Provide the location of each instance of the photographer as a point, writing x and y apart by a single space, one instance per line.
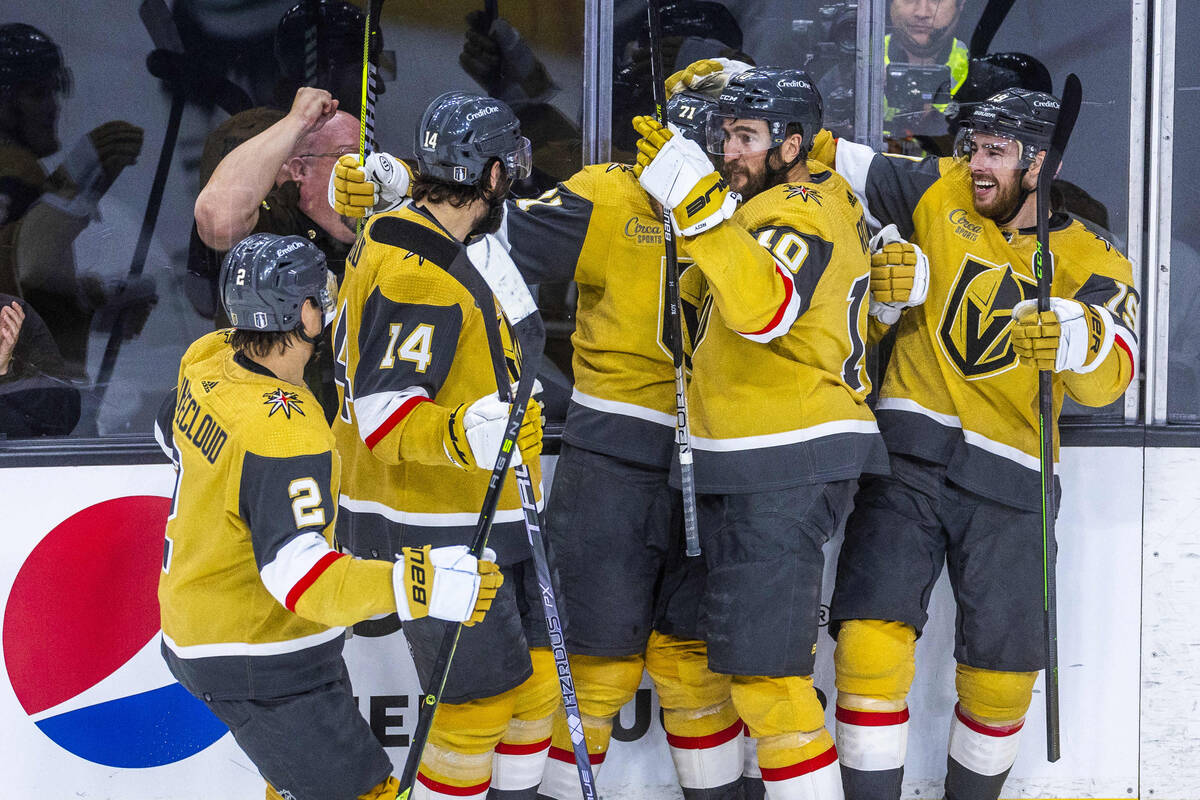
925 64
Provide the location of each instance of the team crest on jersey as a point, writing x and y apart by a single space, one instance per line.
804 193
975 331
208 386
283 400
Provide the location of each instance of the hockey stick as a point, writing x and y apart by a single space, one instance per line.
530 337
1067 113
989 23
683 437
537 543
171 63
369 90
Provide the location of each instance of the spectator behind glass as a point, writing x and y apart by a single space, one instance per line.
278 182
36 399
40 214
924 63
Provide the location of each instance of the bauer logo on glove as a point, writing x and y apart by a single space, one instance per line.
445 583
678 175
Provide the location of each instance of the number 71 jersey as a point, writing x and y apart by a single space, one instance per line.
787 406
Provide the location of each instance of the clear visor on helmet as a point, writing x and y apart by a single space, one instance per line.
519 162
989 150
736 136
328 298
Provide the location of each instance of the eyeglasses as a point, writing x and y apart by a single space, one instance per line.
343 151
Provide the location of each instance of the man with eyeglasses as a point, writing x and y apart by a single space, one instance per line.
275 182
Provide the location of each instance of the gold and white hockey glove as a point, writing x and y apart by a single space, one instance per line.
899 275
359 191
1070 336
707 76
445 583
676 172
475 433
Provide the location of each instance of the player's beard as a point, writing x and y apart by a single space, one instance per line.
495 210
1006 198
745 179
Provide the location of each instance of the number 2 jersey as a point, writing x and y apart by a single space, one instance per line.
599 229
411 345
252 595
778 390
955 392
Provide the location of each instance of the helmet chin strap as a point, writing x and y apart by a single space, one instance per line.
778 176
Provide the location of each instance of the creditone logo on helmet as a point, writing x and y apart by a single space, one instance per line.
82 654
483 112
283 251
793 84
1047 104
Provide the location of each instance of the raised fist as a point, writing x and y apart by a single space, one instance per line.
117 145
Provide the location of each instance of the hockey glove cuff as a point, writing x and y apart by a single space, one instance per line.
357 190
475 434
1070 336
899 275
445 583
676 173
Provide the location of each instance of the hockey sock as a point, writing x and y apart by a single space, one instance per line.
704 731
752 782
520 760
706 746
872 745
560 780
447 775
795 753
875 666
984 731
980 757
800 766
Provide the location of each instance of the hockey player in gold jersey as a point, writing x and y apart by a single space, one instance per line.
781 429
419 429
254 598
614 521
959 411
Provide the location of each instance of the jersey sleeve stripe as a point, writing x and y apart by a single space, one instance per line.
310 578
379 414
785 315
292 565
1129 352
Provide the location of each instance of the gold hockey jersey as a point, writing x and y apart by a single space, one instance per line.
252 595
410 345
955 392
599 229
778 389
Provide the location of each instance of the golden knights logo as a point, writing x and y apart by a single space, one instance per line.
803 192
976 326
282 400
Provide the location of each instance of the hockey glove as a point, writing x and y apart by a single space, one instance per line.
676 172
899 275
476 432
1070 336
707 76
445 583
357 191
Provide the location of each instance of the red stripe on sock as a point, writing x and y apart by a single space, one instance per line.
803 768
998 731
310 577
705 742
393 420
454 791
511 749
568 756
871 718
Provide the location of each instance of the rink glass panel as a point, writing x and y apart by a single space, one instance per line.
1183 351
80 280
